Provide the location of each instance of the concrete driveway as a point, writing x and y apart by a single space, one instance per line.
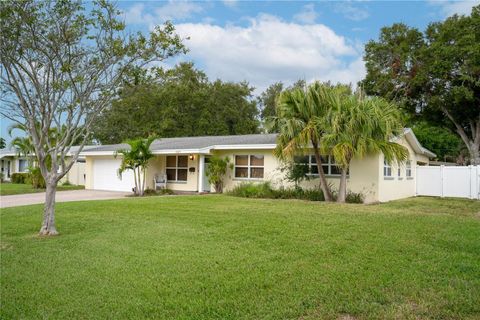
62 196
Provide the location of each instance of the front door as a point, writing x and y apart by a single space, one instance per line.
206 185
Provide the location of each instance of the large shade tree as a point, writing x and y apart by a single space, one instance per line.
434 74
61 64
355 127
176 102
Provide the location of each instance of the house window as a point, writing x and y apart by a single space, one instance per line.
177 168
387 169
328 165
22 165
399 172
249 166
408 169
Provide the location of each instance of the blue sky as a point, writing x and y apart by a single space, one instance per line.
263 42
267 41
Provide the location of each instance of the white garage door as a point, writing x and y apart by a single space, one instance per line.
105 176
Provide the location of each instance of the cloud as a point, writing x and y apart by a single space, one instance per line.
450 8
269 49
171 10
230 3
351 12
307 15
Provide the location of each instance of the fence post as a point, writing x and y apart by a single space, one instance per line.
477 182
442 167
470 177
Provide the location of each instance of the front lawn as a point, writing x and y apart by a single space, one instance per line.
7 189
204 257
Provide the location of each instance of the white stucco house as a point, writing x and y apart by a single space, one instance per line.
184 161
11 162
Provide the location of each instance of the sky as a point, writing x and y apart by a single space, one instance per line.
263 42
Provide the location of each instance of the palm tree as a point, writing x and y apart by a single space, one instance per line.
355 127
299 121
23 145
136 158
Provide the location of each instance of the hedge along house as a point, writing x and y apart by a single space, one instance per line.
184 161
11 162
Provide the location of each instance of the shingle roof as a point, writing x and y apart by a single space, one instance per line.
7 152
188 143
12 152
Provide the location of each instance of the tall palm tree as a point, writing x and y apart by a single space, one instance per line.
136 158
299 121
356 126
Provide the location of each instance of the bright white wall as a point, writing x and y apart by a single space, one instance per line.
445 181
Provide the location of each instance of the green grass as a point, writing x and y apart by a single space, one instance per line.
219 257
7 189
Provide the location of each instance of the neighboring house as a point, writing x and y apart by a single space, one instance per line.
11 162
184 161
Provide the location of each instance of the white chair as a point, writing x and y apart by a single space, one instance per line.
160 181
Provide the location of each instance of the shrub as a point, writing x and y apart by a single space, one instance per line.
265 190
354 197
216 171
35 178
19 177
313 195
253 190
66 183
151 192
295 172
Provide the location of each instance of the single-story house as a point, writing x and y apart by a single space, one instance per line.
184 162
11 162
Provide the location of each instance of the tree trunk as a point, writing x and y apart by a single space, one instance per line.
474 150
473 142
323 181
48 225
135 179
144 179
342 189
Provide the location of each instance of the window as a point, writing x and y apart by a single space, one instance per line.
399 172
22 165
249 166
177 168
408 169
328 165
387 169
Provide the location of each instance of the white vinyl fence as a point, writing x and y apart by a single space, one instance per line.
445 181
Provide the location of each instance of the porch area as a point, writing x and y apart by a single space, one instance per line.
183 172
